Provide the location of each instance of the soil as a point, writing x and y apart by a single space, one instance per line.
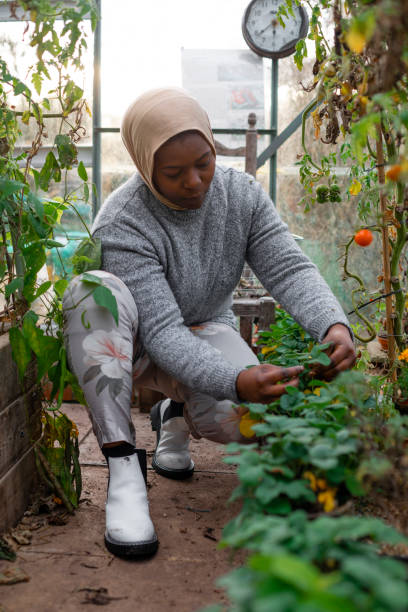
62 563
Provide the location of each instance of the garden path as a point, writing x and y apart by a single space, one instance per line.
67 564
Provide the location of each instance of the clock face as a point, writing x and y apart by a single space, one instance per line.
265 34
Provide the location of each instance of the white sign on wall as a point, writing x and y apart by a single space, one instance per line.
229 84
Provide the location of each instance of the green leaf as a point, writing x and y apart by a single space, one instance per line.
354 485
19 87
43 288
82 173
8 187
51 244
86 192
86 324
67 151
60 286
16 284
87 256
20 350
91 278
104 297
37 82
50 171
300 53
323 359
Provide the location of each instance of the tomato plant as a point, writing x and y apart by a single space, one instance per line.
360 83
29 216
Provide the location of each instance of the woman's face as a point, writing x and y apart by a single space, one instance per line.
183 169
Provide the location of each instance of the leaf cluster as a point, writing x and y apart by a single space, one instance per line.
316 448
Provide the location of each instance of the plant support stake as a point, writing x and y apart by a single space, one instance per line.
386 254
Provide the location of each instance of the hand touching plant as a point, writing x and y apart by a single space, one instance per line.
341 352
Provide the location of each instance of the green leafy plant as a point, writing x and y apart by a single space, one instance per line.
314 451
361 91
30 218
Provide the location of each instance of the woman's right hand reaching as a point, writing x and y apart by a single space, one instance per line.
264 383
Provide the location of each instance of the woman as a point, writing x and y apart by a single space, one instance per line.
174 241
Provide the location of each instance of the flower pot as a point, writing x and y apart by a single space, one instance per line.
47 388
383 340
402 405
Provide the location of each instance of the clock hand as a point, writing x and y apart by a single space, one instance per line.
264 30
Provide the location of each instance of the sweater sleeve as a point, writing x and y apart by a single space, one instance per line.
165 337
288 274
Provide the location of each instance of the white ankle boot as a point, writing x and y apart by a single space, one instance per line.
172 457
129 529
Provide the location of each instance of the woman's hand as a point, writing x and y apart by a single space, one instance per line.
264 383
341 352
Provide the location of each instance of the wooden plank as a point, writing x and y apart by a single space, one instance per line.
16 487
20 426
245 329
244 307
266 313
251 145
227 151
13 388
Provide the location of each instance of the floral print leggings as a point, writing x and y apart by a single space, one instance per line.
108 359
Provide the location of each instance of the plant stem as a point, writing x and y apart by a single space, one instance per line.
369 326
58 489
394 267
386 255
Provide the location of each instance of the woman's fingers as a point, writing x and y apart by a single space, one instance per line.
277 390
340 366
265 382
341 352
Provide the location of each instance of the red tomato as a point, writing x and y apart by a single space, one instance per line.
363 238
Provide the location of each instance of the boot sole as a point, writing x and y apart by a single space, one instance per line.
167 473
173 474
145 549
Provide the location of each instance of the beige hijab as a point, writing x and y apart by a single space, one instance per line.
153 118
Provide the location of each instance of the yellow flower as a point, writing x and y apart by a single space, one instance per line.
328 499
356 40
346 90
245 425
403 356
355 187
321 484
315 391
74 430
268 349
312 478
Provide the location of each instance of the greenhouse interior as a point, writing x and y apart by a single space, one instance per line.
204 305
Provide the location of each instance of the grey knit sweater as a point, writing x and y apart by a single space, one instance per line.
182 267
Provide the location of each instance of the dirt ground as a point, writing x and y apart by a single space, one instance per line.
67 566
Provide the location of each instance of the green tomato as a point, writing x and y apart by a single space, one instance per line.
334 194
322 194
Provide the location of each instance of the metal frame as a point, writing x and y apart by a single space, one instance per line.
89 154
